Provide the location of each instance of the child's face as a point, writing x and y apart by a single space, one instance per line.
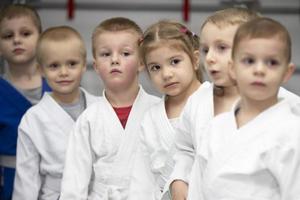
260 67
18 40
117 59
63 67
215 49
171 70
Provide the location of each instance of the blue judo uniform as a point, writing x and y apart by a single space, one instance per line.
13 106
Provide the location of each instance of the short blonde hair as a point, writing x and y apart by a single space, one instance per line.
20 10
114 25
231 16
263 28
170 33
59 34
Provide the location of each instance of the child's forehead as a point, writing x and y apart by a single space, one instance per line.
71 42
275 41
210 26
212 33
117 38
128 33
18 21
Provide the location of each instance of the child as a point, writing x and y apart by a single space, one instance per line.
103 144
216 39
21 85
171 55
44 129
258 155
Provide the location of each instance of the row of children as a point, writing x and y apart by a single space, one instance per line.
131 145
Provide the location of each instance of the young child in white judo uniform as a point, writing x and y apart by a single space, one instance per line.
253 151
171 55
103 145
216 39
44 130
21 84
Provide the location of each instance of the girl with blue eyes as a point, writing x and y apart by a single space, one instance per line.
171 55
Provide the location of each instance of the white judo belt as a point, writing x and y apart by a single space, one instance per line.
8 161
52 183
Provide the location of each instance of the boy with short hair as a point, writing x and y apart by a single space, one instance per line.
44 129
216 40
253 152
21 85
103 144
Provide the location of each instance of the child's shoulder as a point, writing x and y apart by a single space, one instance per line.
202 94
90 98
147 96
201 101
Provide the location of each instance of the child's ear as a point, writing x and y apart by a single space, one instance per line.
231 70
289 72
196 59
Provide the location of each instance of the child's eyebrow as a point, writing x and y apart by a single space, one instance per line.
221 41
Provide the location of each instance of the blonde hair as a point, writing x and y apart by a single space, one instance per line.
175 35
59 34
263 28
20 10
230 16
114 25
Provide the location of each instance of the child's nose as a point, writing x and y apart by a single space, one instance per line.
115 59
17 39
259 69
64 70
166 73
210 57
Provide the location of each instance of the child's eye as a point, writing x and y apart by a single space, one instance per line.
126 54
272 62
53 66
153 68
175 61
7 36
204 50
104 54
248 61
221 47
26 33
73 63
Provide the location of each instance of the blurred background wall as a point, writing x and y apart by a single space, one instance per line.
84 15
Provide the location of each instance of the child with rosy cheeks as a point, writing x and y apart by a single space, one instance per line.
102 147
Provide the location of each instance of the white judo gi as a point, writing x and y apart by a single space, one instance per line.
197 113
42 139
260 160
154 162
101 153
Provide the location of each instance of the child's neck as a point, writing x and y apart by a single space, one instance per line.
122 98
175 104
249 109
70 98
223 102
25 76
